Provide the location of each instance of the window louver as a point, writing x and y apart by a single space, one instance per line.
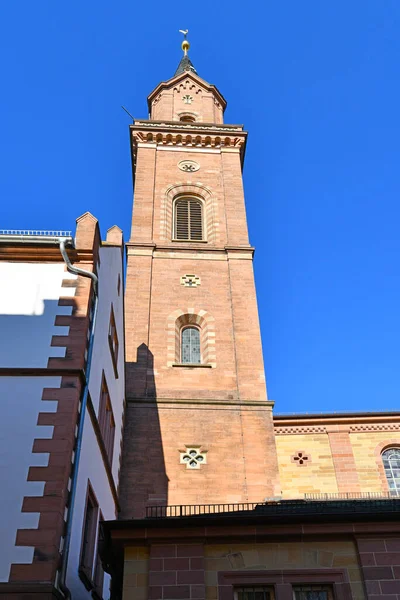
188 220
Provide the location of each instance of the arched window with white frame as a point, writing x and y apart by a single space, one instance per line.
188 220
190 346
391 464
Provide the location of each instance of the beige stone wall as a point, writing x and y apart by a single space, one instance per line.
343 457
273 556
317 476
367 447
136 569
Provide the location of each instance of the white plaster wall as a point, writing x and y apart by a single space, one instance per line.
110 267
21 403
28 308
91 465
90 468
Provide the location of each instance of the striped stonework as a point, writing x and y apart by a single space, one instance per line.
198 190
191 316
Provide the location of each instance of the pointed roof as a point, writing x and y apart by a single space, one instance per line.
185 65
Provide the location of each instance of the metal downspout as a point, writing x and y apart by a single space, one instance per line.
74 479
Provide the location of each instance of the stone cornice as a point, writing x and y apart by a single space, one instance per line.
188 135
234 128
242 404
352 423
199 251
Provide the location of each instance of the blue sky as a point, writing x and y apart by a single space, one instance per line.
316 84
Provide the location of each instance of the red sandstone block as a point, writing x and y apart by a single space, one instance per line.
198 591
176 564
393 545
197 563
167 551
190 550
155 592
224 592
367 559
191 577
176 592
33 572
377 573
371 545
42 504
390 587
156 564
387 558
372 587
162 578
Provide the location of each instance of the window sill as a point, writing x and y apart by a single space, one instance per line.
192 365
190 241
113 357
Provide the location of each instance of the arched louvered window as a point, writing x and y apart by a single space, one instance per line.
190 348
391 463
188 220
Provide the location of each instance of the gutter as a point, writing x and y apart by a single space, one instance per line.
61 584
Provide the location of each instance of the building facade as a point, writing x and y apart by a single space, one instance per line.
61 386
220 500
147 463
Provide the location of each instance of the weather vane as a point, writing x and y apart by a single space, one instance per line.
185 43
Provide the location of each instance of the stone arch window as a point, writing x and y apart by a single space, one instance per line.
192 318
188 220
187 118
190 345
193 189
391 464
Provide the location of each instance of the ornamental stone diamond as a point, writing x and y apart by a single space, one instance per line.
190 280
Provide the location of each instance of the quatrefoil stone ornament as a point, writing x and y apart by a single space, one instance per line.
301 458
187 99
192 457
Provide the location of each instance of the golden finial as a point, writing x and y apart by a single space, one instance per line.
185 43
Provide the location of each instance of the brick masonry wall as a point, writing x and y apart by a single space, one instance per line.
240 455
380 564
165 572
169 406
184 571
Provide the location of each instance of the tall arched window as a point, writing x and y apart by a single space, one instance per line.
190 346
188 219
391 463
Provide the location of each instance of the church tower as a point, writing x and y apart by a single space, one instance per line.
198 424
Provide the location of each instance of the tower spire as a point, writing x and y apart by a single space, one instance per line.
186 63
